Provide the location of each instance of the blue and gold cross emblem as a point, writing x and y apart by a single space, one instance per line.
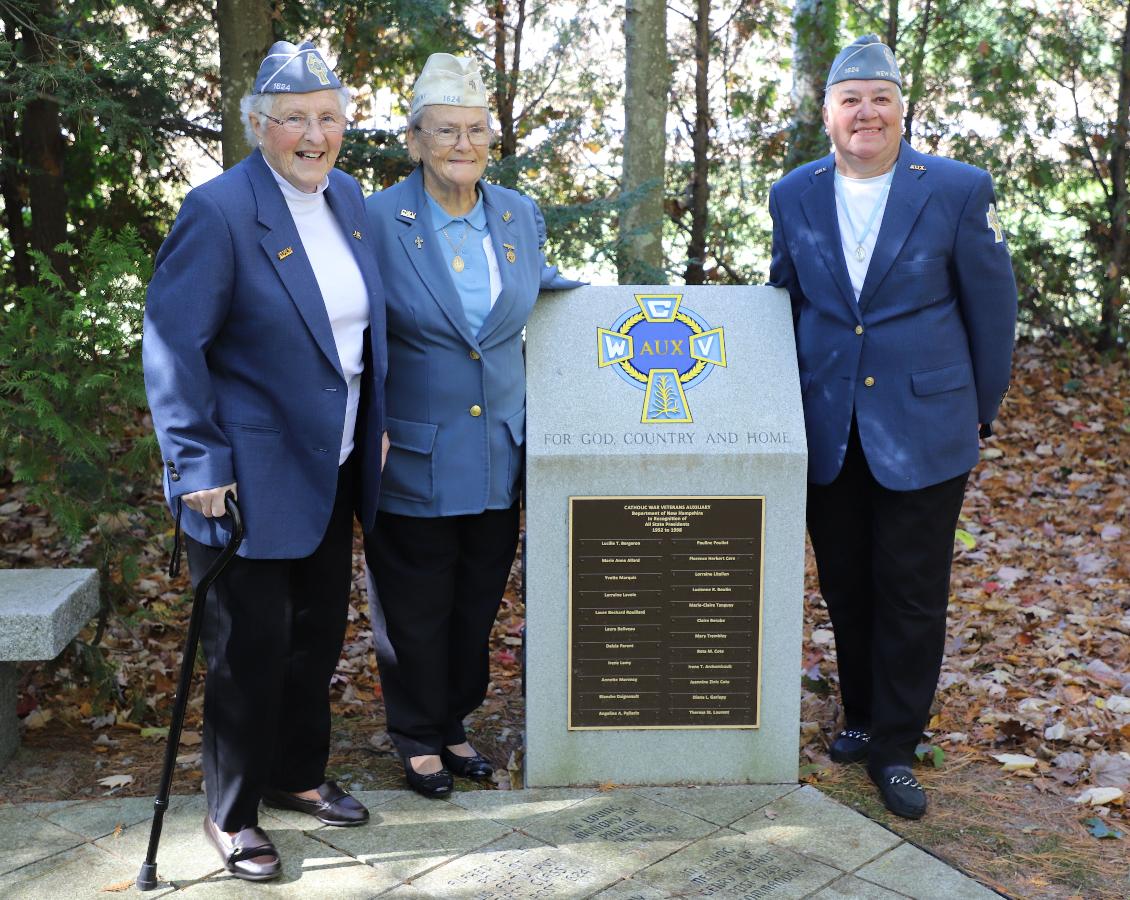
664 350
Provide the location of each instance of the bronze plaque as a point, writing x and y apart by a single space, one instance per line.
665 611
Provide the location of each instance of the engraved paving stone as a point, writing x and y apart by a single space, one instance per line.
620 824
518 866
737 866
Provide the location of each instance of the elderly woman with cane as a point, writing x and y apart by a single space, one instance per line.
463 265
264 354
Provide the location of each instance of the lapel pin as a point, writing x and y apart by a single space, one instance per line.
917 168
419 243
507 216
511 256
357 234
408 214
283 254
821 170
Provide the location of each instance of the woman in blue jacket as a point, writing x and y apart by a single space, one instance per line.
264 355
462 265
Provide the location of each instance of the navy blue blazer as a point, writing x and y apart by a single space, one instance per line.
456 400
925 354
241 368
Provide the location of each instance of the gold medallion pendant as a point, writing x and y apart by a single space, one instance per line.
457 263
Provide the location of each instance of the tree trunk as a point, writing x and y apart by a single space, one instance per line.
506 83
815 44
913 72
646 88
245 37
700 176
13 186
1118 202
42 147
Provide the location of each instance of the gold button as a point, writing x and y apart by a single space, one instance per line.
859 329
869 381
473 355
476 410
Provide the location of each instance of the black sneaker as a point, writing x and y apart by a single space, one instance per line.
850 745
900 790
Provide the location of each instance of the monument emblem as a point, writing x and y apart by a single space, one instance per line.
663 349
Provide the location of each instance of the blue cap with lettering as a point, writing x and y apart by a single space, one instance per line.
866 58
287 69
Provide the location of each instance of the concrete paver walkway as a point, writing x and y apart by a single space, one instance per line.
645 843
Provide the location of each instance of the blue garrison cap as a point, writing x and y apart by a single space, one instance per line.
287 69
866 58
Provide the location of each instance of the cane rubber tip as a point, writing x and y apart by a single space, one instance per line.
147 877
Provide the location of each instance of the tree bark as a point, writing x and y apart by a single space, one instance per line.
913 94
700 175
646 89
506 76
42 147
246 35
815 40
13 186
1118 201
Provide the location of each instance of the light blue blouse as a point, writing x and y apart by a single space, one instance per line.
466 234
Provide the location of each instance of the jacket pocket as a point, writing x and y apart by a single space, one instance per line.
937 381
517 426
409 471
244 428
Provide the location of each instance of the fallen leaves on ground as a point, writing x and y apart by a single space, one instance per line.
1037 658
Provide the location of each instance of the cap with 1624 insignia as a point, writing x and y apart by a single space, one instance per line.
290 69
866 58
449 81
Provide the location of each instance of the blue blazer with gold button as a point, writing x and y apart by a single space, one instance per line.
456 399
924 356
241 369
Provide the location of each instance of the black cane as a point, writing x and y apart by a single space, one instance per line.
147 878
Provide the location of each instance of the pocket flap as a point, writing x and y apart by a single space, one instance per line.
935 381
517 425
419 437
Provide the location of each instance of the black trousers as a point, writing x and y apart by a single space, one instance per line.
883 559
272 636
439 582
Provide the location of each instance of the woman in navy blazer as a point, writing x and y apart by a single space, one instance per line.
463 265
264 354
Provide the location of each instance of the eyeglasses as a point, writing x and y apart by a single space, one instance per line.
296 124
478 135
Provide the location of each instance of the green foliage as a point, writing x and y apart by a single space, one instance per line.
71 398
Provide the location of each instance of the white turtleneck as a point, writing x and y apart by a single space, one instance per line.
342 287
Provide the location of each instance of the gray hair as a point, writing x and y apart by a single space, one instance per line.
264 105
898 94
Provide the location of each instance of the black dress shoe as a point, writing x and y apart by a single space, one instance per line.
240 852
437 784
900 790
850 745
334 806
477 766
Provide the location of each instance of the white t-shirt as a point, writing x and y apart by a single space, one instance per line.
342 286
861 195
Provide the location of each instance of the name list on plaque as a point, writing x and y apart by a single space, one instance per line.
665 611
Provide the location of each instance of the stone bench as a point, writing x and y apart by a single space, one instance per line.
41 610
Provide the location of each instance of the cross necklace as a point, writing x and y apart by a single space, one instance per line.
457 263
860 253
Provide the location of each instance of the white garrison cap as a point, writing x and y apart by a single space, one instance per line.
449 81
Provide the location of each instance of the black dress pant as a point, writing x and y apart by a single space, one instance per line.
439 582
883 559
272 636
